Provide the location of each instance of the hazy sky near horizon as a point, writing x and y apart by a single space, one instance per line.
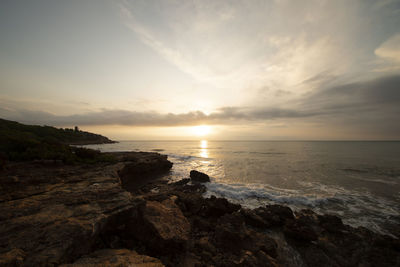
146 69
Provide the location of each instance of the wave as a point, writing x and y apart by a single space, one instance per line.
244 192
355 170
356 208
259 153
390 172
181 157
267 153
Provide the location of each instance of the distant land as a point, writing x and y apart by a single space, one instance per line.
19 142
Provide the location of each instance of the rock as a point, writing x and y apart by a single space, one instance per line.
232 235
253 219
115 258
3 161
14 257
331 223
217 207
299 231
162 226
191 203
266 260
182 182
142 167
55 215
258 259
275 215
199 177
205 245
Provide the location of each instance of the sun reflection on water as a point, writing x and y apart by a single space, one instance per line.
203 149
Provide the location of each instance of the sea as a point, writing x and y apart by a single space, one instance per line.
356 180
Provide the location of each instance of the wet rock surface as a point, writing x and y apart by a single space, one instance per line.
82 215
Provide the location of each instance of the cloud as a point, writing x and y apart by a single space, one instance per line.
247 43
390 49
382 92
227 115
371 105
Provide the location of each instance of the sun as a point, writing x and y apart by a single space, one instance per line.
201 130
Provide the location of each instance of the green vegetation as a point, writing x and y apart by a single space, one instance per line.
20 142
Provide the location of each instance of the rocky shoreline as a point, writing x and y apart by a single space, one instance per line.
121 214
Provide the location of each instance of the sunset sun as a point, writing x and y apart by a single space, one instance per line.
201 130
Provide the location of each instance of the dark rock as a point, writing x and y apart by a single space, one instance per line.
141 168
194 188
205 245
331 223
253 219
52 215
258 259
216 207
116 258
13 257
161 226
232 235
275 215
190 203
299 231
182 182
199 177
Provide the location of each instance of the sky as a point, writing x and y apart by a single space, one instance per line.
217 70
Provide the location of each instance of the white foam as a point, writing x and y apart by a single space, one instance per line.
244 192
356 209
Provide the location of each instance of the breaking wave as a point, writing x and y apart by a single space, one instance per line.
356 209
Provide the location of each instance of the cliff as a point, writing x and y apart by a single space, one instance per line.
19 142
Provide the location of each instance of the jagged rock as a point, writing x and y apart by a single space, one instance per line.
141 168
299 231
204 244
56 213
14 257
331 223
182 182
259 259
55 218
115 258
253 219
161 225
275 215
200 177
216 207
232 235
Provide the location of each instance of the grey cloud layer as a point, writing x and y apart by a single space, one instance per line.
226 115
373 105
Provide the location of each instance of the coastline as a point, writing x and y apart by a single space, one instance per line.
94 142
55 214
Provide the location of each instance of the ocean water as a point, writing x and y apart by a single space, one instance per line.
359 181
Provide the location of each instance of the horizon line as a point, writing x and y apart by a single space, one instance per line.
258 140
